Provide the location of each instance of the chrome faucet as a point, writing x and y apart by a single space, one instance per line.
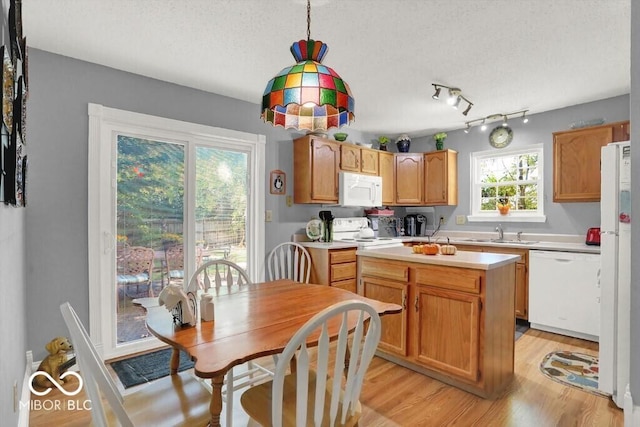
500 232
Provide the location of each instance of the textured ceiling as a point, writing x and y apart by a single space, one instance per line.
505 55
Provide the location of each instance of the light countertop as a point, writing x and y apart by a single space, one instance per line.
462 259
542 242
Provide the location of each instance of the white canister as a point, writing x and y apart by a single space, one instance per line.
206 307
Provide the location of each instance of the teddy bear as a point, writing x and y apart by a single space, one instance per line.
53 362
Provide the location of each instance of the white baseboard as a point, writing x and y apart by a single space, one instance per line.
631 411
25 397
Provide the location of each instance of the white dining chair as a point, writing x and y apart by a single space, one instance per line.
289 260
175 400
314 397
219 277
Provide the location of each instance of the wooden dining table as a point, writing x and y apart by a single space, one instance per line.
256 321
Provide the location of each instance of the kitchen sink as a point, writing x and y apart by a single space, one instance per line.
519 242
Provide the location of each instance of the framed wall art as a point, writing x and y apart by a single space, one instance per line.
278 182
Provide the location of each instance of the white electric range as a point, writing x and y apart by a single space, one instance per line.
347 230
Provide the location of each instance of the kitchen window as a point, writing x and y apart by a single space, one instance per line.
507 186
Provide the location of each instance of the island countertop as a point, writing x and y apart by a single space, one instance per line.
462 259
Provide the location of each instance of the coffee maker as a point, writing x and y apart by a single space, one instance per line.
411 225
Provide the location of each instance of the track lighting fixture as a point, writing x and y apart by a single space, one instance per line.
492 117
454 98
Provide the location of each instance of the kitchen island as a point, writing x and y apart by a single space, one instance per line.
457 323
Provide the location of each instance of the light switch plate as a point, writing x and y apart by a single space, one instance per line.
460 219
268 216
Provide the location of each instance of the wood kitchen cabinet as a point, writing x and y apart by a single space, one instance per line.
456 325
521 278
359 160
441 178
333 267
409 170
576 160
316 162
387 163
388 283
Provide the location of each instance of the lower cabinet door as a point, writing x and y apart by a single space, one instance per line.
447 331
394 326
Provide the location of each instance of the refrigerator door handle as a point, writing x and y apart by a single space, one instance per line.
613 233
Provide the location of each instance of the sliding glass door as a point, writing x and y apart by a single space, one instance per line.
176 200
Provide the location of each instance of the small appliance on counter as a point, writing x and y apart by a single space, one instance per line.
423 220
593 236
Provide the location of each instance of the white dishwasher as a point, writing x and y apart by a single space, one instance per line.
564 293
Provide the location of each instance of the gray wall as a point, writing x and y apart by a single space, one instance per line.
13 284
563 218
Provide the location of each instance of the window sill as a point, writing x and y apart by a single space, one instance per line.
510 217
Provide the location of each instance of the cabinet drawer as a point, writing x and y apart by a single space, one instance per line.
386 271
343 271
349 285
450 278
337 257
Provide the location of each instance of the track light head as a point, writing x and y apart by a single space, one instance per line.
504 121
465 112
437 94
466 130
454 96
484 126
456 102
525 119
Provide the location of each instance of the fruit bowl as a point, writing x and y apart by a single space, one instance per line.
340 136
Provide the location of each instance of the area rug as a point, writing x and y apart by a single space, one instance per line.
573 369
147 367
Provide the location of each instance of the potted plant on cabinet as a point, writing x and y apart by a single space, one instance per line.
383 141
440 137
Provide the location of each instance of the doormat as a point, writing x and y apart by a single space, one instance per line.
148 367
576 370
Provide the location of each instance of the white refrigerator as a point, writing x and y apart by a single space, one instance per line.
615 279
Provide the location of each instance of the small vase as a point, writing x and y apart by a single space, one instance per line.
440 145
403 143
383 147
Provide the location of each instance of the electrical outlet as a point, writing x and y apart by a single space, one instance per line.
289 201
268 216
460 219
442 221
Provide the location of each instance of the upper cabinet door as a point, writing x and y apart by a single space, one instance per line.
370 162
349 158
388 177
576 163
409 178
441 178
316 163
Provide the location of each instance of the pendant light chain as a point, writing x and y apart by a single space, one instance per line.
308 19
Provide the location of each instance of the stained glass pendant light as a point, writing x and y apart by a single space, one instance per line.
308 95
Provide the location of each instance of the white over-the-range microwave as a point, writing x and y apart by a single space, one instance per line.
359 190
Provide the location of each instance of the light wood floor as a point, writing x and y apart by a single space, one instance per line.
396 396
